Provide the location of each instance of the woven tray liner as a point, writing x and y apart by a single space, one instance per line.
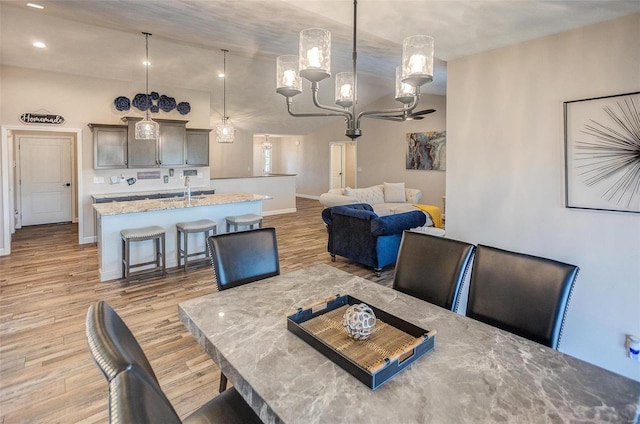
386 341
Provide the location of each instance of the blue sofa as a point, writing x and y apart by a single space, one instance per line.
358 234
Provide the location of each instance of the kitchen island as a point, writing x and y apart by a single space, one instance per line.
113 217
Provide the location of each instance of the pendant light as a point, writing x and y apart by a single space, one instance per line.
225 133
147 129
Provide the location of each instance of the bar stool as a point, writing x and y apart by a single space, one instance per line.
184 229
248 219
153 232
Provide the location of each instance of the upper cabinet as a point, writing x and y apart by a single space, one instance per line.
109 146
197 147
171 143
115 146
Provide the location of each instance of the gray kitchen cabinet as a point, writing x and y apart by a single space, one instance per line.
172 143
109 146
168 150
197 147
141 153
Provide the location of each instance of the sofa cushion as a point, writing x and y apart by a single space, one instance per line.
395 224
371 195
394 193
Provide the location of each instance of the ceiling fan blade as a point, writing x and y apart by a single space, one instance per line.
423 112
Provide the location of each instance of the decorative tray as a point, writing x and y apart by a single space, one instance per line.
393 346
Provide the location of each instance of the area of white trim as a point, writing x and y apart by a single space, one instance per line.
5 165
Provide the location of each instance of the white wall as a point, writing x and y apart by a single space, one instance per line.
505 174
380 152
82 100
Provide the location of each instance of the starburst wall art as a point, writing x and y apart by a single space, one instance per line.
602 153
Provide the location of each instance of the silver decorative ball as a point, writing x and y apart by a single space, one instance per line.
359 321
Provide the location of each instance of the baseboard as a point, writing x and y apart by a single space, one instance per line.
90 239
308 196
279 211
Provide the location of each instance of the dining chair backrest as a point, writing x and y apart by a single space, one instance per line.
135 398
432 268
244 257
111 343
523 294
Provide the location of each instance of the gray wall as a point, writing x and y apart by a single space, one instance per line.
505 175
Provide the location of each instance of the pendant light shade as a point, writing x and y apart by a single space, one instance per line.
147 129
225 132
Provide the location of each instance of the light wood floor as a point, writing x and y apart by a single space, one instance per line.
48 282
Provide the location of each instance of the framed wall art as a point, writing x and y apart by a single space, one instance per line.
427 150
602 153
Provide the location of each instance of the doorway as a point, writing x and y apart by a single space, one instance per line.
342 172
44 170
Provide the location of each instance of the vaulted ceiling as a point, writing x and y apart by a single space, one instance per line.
103 39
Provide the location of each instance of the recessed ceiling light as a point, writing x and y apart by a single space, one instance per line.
39 44
145 63
35 6
221 75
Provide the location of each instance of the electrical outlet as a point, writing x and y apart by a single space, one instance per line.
633 348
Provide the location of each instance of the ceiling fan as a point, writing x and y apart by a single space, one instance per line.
406 116
416 116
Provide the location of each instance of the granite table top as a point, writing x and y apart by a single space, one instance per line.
475 374
149 205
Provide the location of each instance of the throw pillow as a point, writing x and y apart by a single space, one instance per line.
371 195
394 193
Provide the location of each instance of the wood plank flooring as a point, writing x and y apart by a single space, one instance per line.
46 286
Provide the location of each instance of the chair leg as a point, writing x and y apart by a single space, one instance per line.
186 250
164 257
378 271
333 257
223 383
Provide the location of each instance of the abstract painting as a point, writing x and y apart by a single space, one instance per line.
602 153
427 150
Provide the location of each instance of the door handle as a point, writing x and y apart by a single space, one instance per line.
66 185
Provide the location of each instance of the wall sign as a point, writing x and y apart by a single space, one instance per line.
41 118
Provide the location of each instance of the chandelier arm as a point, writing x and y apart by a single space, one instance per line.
308 115
340 111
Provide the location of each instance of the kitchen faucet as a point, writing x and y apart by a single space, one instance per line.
187 184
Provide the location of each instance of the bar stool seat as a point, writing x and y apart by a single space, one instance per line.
183 230
248 219
153 232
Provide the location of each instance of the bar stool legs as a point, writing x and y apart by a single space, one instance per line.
249 220
155 233
182 245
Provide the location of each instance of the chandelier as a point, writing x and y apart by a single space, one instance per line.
313 63
225 133
147 129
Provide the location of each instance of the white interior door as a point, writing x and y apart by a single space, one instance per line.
45 179
337 165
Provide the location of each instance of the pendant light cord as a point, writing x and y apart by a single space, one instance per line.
224 87
146 36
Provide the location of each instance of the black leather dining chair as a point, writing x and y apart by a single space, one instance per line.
135 398
241 258
244 257
135 395
111 343
523 294
432 268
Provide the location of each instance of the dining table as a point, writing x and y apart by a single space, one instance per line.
475 373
